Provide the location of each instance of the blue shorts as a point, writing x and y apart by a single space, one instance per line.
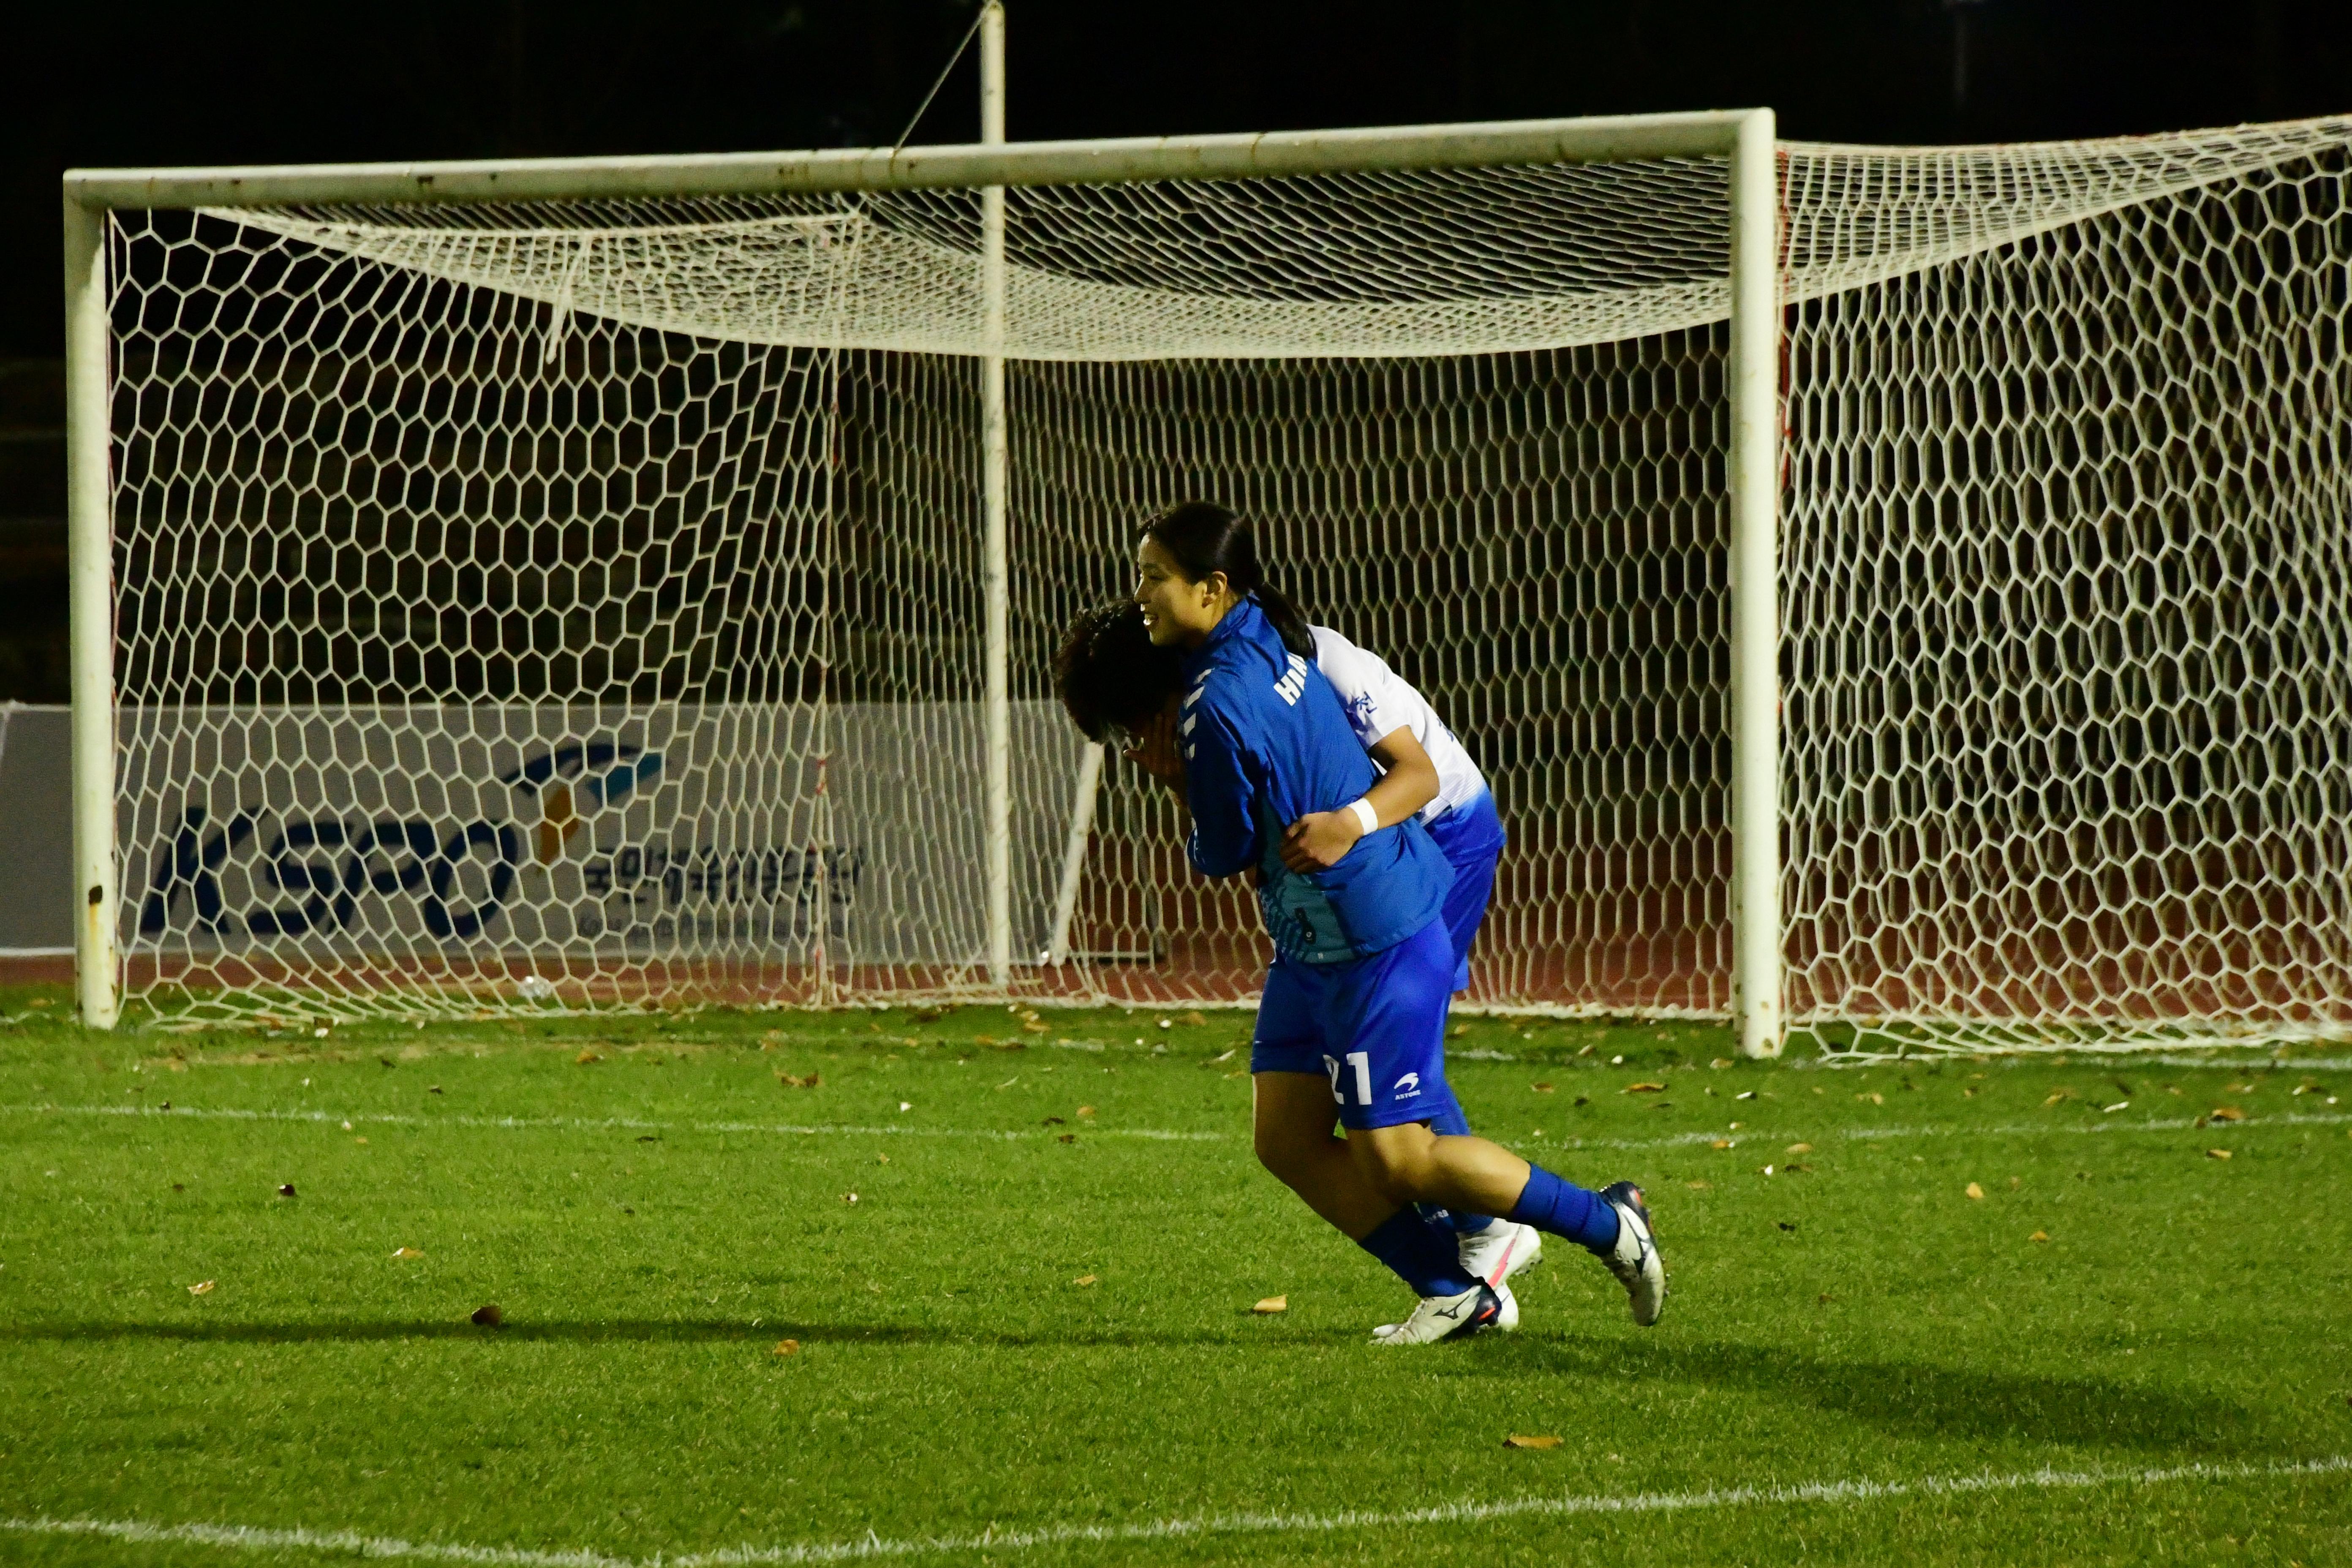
1472 839
1375 1026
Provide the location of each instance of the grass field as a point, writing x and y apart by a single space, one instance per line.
1030 1338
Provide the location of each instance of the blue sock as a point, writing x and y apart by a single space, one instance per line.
1419 1253
1450 1122
1563 1208
1459 1224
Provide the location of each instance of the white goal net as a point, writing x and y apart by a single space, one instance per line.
551 603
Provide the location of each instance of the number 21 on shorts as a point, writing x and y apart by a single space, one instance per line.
1360 1063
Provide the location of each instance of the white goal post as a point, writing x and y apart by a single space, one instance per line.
1895 593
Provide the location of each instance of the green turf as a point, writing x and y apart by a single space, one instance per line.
651 1228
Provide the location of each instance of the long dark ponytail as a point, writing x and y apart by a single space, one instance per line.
1203 537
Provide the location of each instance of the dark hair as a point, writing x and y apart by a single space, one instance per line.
1107 672
1204 538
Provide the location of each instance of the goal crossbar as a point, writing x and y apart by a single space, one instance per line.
1271 154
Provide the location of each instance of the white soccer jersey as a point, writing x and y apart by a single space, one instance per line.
1380 703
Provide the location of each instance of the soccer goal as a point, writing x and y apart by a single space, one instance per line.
1893 592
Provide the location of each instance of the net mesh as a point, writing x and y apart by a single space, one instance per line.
580 603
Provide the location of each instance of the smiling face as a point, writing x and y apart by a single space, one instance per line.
1176 610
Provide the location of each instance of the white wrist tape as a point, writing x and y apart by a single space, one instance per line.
1365 814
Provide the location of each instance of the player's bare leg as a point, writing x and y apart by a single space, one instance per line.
1291 1124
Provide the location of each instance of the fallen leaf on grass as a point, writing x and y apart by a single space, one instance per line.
1801 1148
1723 1143
1039 1028
1086 1111
286 1191
795 1080
1516 1441
1200 1018
434 1089
1873 1096
2057 1096
1226 1057
359 1139
881 1159
2217 1153
1083 1280
788 1347
487 1315
1053 1122
1700 1186
204 1289
2228 1113
1068 1137
1541 1087
406 1252
584 1057
1272 1304
1975 1191
1643 1088
2039 1236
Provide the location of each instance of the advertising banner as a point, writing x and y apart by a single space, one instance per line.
747 831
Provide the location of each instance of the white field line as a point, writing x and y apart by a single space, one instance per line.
1746 1135
1152 1134
2099 1061
604 1124
351 1542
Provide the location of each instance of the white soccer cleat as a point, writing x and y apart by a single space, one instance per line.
1635 1259
1480 1308
1501 1250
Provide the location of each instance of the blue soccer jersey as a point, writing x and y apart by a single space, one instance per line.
1266 743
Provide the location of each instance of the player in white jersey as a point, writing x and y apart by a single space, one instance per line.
1396 725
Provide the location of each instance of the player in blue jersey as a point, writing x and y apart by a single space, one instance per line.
1111 677
1432 774
1355 1002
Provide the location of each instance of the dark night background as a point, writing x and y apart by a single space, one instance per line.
143 84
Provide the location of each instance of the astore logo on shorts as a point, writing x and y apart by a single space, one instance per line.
1408 1086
